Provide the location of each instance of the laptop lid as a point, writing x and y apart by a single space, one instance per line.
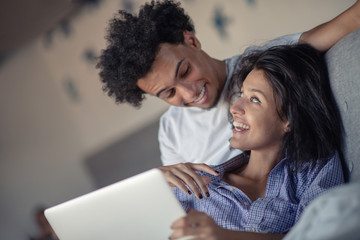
140 207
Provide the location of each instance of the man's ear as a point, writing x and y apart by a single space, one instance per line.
191 40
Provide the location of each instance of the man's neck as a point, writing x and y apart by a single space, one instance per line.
222 75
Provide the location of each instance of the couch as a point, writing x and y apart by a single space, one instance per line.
336 213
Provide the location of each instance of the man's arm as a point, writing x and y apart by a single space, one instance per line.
324 36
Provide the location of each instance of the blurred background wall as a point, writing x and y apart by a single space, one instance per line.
60 135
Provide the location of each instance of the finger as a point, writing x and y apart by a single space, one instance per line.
204 168
186 227
182 229
197 224
204 179
173 180
192 218
192 180
187 233
182 176
198 219
201 182
179 183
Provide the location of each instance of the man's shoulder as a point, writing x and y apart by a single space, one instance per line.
172 117
289 39
173 112
186 115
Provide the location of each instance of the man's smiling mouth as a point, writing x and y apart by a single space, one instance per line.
202 93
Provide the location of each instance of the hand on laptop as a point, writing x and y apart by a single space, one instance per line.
196 224
184 176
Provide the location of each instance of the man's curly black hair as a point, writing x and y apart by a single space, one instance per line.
133 42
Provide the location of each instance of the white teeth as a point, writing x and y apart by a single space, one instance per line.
240 125
201 95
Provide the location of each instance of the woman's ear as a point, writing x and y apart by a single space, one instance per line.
287 127
191 40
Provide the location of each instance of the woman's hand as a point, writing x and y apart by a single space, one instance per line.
184 174
198 225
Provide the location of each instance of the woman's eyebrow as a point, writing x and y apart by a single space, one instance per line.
258 91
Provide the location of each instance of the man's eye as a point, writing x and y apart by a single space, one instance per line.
255 100
187 70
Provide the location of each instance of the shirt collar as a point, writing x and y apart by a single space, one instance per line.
238 162
232 164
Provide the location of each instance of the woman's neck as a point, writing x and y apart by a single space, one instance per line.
260 164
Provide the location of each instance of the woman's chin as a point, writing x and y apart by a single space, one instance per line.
236 144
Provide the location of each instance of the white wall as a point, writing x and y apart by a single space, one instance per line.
44 135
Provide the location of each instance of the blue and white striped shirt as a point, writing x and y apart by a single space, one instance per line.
287 194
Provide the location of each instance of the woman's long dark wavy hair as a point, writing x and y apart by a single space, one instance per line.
133 42
299 78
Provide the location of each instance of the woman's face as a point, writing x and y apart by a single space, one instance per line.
257 125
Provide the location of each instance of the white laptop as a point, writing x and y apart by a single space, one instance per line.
140 207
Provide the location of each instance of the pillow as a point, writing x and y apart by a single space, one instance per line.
333 215
343 61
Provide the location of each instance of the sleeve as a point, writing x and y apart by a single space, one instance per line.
320 179
167 142
289 39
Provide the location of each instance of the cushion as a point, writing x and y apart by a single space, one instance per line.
333 215
343 61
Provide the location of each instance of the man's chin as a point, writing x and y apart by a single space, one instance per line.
214 104
216 101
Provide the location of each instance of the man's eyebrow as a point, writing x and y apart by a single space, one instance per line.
176 73
178 67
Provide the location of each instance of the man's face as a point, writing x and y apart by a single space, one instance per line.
184 75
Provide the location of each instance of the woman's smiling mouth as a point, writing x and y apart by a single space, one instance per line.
239 127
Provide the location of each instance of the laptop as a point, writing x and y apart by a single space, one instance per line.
140 207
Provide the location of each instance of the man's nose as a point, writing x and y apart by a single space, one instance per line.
188 92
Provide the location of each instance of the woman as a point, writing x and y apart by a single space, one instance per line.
286 119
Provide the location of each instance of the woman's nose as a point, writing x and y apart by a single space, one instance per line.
237 107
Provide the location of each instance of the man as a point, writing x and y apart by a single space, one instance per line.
158 53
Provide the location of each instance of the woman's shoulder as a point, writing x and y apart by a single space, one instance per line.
324 169
317 165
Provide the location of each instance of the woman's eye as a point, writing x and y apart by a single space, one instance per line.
255 100
235 97
171 93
